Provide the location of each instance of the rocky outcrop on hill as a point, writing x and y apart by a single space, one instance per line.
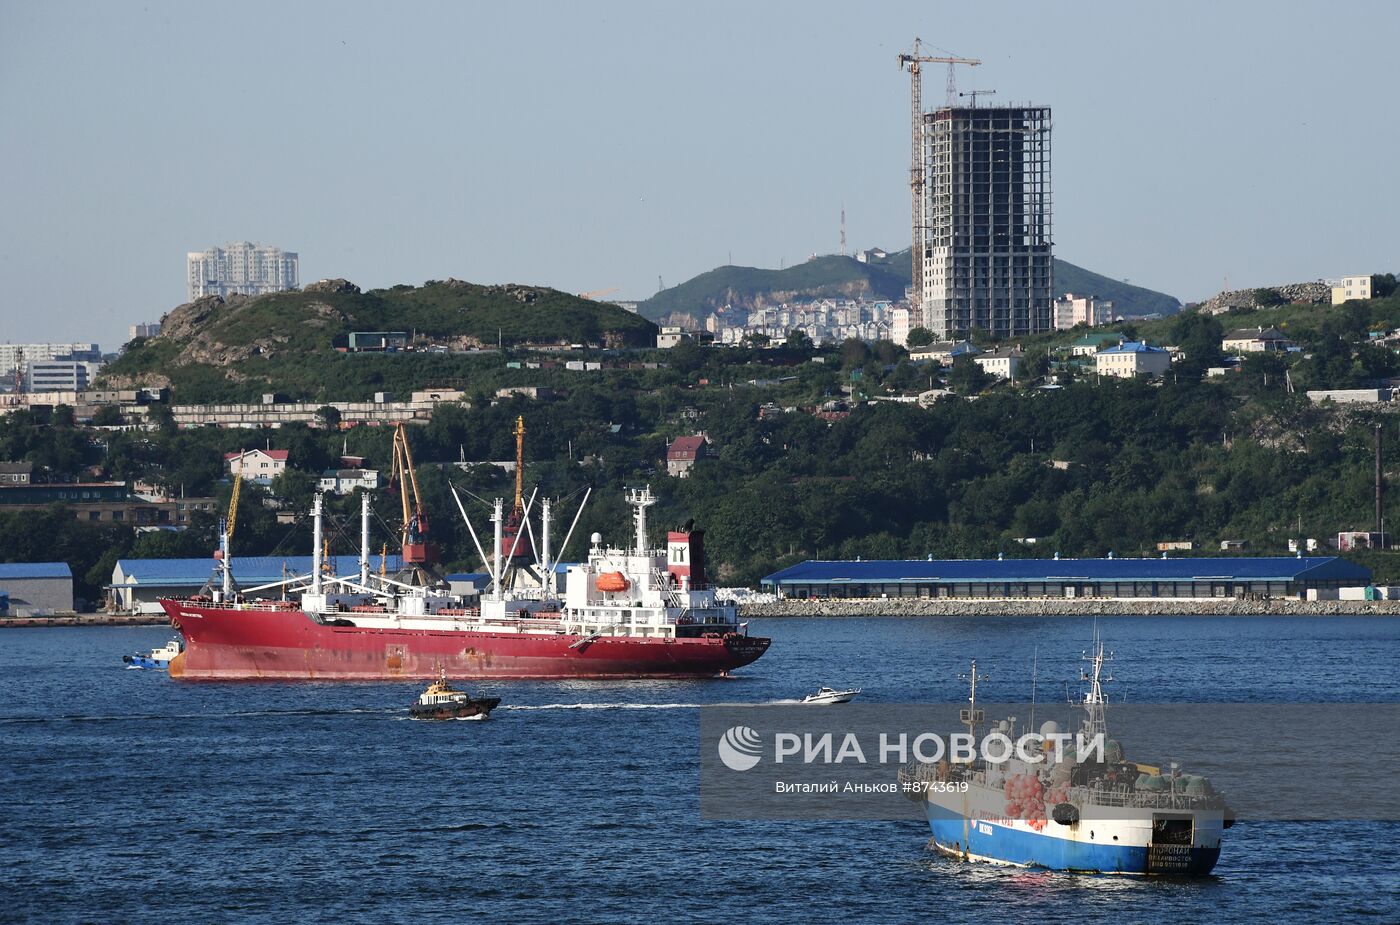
1267 296
333 285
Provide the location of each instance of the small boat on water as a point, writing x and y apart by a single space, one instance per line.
826 695
442 701
156 658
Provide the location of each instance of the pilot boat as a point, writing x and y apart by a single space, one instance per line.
156 658
442 701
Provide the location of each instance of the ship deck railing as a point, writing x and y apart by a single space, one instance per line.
1081 795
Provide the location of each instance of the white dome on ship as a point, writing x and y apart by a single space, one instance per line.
1049 728
596 538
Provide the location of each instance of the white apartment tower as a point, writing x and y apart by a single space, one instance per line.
986 226
240 267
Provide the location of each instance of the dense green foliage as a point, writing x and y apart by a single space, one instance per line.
833 276
286 341
1094 467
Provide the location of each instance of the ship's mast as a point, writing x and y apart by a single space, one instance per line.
1095 719
364 539
497 518
547 579
972 717
316 543
641 499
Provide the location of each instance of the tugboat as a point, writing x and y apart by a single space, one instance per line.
156 658
442 701
827 695
1109 816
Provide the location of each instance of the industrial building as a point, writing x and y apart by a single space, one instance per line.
35 589
986 239
999 579
139 584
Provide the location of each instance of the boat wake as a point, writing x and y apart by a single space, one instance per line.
639 706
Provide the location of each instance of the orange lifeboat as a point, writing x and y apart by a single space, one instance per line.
613 581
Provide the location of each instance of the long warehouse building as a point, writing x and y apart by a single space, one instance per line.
1283 576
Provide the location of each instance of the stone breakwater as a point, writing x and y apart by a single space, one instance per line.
87 619
1068 607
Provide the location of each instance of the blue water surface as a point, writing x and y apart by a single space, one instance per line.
129 797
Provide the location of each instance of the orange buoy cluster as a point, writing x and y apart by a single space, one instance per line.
1025 799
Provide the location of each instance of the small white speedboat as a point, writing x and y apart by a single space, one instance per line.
825 695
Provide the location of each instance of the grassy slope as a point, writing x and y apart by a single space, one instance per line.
887 279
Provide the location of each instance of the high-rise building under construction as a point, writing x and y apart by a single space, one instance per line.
986 223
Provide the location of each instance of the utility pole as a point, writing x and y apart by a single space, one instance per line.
917 245
1380 523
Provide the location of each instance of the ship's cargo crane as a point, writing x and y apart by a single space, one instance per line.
413 535
913 62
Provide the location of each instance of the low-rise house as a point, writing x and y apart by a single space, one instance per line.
1132 358
1090 344
345 481
1256 340
1004 363
685 452
261 466
944 352
669 337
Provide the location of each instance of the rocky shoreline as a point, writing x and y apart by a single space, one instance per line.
1067 607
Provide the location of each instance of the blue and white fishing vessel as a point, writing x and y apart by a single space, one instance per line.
1109 816
156 658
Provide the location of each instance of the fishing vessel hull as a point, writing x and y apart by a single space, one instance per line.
1122 844
228 643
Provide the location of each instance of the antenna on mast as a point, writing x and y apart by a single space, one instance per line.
972 717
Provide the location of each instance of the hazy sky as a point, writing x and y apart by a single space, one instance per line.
593 145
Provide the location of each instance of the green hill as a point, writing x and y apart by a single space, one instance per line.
272 340
846 277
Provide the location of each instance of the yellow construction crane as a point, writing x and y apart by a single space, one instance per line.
232 520
519 462
914 61
596 293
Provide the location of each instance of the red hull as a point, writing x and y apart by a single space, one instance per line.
225 644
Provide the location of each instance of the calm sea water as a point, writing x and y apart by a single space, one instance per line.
127 797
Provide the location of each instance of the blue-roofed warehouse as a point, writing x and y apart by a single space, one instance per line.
1059 578
139 584
35 589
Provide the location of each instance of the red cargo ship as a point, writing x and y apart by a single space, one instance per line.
634 613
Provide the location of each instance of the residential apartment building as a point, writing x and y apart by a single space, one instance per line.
13 355
240 267
1091 311
984 260
1351 287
